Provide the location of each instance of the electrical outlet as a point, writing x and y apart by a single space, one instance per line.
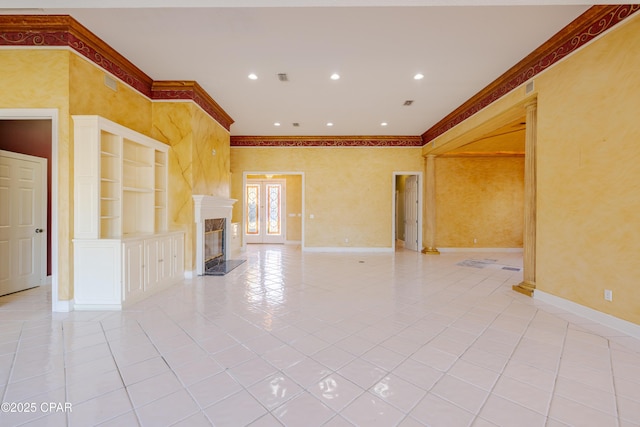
475 241
608 295
346 240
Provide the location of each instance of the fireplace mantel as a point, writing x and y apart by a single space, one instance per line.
210 207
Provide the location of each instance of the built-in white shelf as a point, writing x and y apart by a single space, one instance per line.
123 250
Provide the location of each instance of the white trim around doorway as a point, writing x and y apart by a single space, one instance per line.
241 199
47 114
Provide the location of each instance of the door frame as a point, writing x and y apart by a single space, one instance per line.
245 174
393 206
262 215
47 114
43 196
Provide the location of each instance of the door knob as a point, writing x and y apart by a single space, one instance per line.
39 230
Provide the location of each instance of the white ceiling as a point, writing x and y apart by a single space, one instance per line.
376 50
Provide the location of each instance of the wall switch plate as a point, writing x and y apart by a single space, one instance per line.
608 295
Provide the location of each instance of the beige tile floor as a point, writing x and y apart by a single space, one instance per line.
308 339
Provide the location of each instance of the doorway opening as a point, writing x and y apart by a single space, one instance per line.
272 208
265 202
407 211
30 123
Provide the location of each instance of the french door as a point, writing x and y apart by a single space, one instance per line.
264 202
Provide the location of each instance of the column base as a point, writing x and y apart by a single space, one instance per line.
431 251
525 288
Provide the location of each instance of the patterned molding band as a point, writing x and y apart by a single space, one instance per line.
326 141
63 30
582 30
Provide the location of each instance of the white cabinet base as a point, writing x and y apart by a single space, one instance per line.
110 274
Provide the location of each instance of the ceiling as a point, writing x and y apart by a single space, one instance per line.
377 46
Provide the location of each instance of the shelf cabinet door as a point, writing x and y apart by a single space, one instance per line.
151 264
165 255
133 281
178 256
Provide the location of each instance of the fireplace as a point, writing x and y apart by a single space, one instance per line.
213 219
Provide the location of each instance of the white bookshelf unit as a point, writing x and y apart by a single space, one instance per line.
123 250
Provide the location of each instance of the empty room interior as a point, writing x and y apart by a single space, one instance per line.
319 213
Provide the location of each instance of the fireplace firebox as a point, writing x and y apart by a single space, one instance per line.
214 233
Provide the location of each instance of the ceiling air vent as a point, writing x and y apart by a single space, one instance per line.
283 77
408 102
295 125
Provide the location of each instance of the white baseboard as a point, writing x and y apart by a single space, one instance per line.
189 274
348 249
594 315
509 250
64 306
98 307
48 280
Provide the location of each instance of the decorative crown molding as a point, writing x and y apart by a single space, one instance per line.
326 141
595 21
172 90
65 31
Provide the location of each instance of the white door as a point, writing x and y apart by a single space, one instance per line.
22 219
411 213
265 207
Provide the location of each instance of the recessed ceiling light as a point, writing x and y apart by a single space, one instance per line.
329 124
335 76
252 76
384 124
418 76
276 124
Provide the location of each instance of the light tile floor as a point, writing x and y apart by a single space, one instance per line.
308 339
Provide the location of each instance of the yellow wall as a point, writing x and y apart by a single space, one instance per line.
348 190
479 198
193 168
24 84
211 172
589 175
89 95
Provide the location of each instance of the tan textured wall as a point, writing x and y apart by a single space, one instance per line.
479 198
294 207
193 168
23 84
348 190
589 175
89 95
211 172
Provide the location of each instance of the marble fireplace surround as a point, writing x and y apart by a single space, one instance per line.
210 207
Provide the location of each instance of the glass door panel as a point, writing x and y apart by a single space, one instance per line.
264 215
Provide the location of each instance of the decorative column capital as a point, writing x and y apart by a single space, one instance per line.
532 103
